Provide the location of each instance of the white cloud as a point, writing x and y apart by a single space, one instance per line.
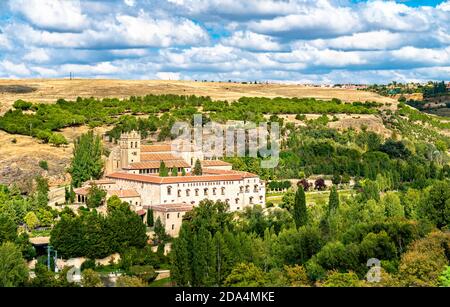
14 69
123 32
252 41
445 6
313 23
55 15
37 55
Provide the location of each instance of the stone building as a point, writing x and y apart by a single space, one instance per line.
132 174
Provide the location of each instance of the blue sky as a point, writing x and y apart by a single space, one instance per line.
302 41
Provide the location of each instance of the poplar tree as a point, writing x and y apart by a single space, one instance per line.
300 211
201 264
333 201
181 271
87 162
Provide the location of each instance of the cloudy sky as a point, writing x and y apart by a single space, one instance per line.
306 41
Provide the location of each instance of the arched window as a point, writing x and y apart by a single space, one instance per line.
255 189
251 200
169 190
241 189
247 188
188 192
214 191
205 191
237 201
196 192
179 193
223 190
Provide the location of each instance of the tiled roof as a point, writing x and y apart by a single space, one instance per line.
210 171
178 179
156 164
158 157
172 207
81 191
156 148
207 163
141 212
124 193
101 181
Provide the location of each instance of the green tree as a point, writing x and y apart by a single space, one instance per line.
436 207
163 170
130 281
144 272
337 279
197 171
181 260
8 229
333 201
91 279
150 221
202 261
160 231
95 197
87 162
246 275
31 220
183 172
13 269
42 190
174 171
300 212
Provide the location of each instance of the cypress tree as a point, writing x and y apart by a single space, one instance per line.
174 171
300 211
201 264
197 168
181 270
163 170
150 221
183 172
333 202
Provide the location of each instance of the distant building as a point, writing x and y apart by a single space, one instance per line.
132 174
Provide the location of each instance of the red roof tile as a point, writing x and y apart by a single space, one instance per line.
179 179
124 193
172 207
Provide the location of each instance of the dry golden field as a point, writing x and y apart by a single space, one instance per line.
48 91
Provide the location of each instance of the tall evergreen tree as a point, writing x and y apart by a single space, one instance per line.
197 171
181 270
201 265
300 211
42 191
150 221
174 171
87 162
163 170
333 202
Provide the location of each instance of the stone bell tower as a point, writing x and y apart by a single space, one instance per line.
130 148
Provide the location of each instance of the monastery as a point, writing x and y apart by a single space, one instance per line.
132 174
